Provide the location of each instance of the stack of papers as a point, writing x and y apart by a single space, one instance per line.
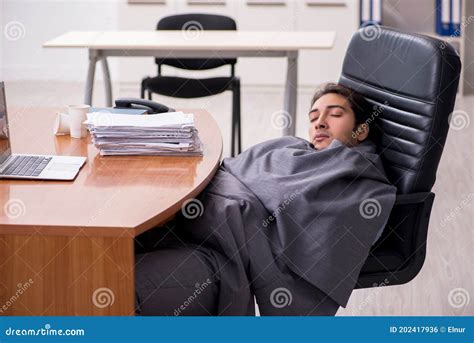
165 134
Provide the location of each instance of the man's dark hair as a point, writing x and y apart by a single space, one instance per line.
358 103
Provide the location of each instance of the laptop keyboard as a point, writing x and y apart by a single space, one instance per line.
26 165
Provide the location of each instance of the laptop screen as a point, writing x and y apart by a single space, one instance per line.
5 150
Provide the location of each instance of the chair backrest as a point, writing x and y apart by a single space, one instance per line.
411 80
196 22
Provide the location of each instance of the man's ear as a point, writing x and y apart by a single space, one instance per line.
362 132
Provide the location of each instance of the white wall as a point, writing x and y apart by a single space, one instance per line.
315 66
27 24
403 14
41 20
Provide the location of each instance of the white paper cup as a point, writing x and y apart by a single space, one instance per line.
61 124
76 126
78 109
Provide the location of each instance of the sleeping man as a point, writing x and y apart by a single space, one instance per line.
289 222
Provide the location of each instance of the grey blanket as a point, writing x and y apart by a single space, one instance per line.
292 225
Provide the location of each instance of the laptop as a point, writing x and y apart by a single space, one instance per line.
38 167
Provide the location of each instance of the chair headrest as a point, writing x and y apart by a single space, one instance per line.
411 80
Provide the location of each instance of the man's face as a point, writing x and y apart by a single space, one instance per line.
331 117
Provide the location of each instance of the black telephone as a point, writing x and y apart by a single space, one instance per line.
151 107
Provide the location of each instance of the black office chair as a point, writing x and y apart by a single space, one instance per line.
417 76
195 88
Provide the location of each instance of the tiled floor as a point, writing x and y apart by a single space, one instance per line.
444 285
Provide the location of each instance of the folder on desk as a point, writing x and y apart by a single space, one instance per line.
118 110
166 134
370 12
448 17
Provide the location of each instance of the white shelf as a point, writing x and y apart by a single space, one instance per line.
402 15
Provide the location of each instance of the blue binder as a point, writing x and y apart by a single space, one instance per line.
370 12
448 17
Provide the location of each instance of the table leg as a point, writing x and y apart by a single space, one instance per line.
66 276
107 82
291 92
93 57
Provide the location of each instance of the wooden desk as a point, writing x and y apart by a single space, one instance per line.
202 44
61 241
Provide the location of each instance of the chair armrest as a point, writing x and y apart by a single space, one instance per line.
408 223
414 198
